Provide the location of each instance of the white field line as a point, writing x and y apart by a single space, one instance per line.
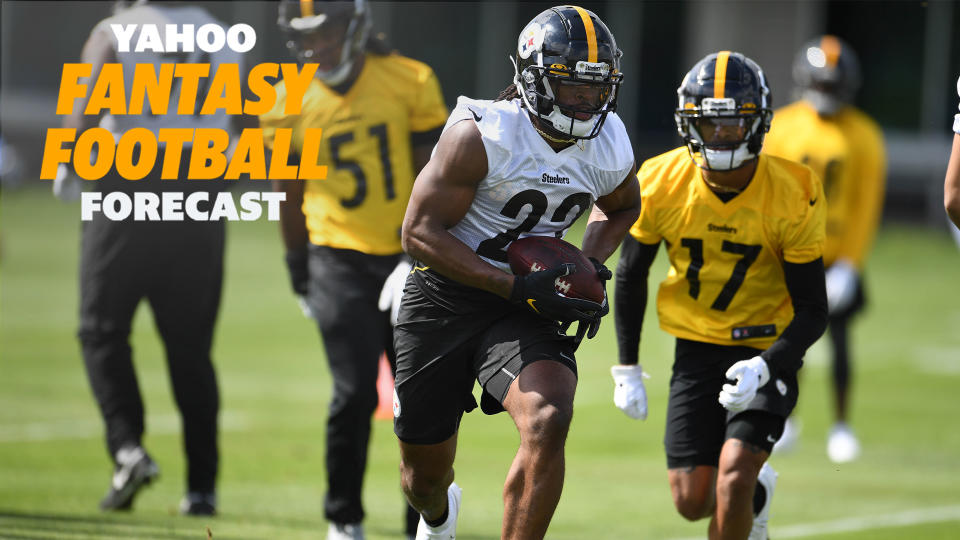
90 428
862 523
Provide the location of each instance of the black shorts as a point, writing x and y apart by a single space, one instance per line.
448 336
697 425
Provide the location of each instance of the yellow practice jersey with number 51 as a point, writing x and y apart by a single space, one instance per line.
366 146
847 151
726 283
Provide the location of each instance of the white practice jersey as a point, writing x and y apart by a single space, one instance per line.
530 189
161 16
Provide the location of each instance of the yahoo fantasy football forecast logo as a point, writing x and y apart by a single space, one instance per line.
201 91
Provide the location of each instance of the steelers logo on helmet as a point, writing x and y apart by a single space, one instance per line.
567 72
331 34
723 111
827 74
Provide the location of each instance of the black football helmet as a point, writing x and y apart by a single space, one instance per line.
723 111
300 19
827 73
568 46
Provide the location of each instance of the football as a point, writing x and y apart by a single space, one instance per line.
536 253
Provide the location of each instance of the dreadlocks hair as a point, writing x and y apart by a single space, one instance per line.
508 93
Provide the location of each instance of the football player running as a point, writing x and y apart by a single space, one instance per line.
381 113
845 148
744 295
528 163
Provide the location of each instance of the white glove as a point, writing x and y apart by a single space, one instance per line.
629 395
841 285
67 186
750 376
392 291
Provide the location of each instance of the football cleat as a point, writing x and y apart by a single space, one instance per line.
199 504
768 479
134 469
345 531
448 530
842 444
790 438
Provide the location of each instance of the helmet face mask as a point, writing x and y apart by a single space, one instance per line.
567 72
723 111
331 34
827 74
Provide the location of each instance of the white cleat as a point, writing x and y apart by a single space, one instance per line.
345 531
790 438
768 479
842 444
448 530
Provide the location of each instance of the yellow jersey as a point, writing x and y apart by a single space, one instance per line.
726 283
846 150
367 149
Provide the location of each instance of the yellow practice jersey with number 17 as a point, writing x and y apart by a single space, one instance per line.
366 146
846 150
726 283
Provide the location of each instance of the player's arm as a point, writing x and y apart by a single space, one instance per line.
611 218
630 296
951 183
805 283
441 197
629 393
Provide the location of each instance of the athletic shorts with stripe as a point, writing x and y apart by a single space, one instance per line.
449 335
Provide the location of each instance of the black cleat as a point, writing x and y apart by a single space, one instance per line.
199 504
134 470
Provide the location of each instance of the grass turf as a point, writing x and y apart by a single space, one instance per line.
275 386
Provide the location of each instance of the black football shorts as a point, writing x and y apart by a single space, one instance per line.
449 335
697 425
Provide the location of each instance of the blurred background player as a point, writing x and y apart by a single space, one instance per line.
845 148
951 183
464 317
744 296
381 114
176 266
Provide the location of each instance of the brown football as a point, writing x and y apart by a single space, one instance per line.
536 253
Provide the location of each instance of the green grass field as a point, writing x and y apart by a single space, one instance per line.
275 386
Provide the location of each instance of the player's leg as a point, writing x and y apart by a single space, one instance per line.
185 293
344 289
842 444
751 440
434 345
695 428
110 289
540 401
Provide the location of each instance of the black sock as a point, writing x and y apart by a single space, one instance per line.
440 520
759 498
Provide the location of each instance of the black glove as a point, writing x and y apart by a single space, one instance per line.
298 270
590 327
537 291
